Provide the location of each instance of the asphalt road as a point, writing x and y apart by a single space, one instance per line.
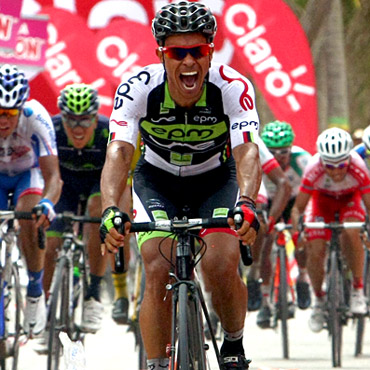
112 348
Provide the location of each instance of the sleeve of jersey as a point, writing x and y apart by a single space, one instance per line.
240 106
44 133
130 101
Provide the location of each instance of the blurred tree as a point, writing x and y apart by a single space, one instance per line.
339 35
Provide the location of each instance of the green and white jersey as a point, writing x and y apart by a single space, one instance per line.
185 141
298 161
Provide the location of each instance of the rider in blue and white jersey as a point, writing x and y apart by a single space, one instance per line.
29 170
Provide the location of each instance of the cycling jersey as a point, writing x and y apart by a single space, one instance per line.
316 179
364 153
298 161
184 141
86 163
33 137
80 169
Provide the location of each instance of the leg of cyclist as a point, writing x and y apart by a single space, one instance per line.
155 313
264 314
229 293
93 308
121 302
316 252
35 312
253 278
354 253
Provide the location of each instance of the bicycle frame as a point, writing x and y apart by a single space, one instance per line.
188 304
336 305
282 286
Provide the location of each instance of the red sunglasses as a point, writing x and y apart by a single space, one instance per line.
180 52
339 166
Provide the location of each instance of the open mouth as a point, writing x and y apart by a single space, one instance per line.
189 80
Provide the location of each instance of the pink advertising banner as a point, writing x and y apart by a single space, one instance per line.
31 43
10 11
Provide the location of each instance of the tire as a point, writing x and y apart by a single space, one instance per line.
191 350
361 321
60 313
12 315
283 307
335 306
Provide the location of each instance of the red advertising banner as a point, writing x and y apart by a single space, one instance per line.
262 39
100 58
9 23
270 41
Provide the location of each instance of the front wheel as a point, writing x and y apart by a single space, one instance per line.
12 321
191 346
335 307
60 313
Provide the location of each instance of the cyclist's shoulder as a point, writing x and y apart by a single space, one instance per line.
361 150
299 157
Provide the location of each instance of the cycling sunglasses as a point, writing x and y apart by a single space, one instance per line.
73 122
284 151
180 52
339 166
9 112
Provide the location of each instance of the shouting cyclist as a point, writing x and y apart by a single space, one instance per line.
199 126
278 136
29 169
336 179
81 135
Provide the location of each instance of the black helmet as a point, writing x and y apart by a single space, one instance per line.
183 17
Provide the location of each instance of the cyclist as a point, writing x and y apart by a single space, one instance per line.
272 171
29 170
335 179
81 135
199 127
278 136
363 149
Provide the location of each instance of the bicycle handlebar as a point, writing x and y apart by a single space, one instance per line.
334 225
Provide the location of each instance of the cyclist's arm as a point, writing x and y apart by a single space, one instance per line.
249 170
115 172
49 166
283 192
113 183
249 175
366 200
299 206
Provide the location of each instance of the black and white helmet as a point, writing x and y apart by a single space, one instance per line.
14 88
366 137
183 17
334 144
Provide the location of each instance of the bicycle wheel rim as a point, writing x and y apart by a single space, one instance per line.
361 321
58 314
12 313
190 339
283 302
334 305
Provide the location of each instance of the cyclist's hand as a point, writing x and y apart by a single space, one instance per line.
111 239
47 214
250 226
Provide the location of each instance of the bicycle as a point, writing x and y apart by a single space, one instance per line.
282 295
68 287
361 320
136 299
337 294
188 347
11 300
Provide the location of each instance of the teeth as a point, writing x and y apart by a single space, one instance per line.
189 73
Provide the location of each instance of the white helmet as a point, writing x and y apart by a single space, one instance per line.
14 88
334 144
366 137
